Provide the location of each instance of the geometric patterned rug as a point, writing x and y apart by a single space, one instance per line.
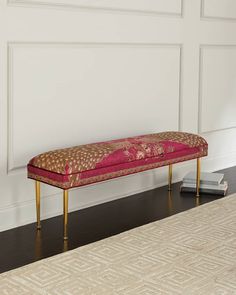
193 252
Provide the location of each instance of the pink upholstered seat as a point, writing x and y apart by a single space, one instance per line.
84 164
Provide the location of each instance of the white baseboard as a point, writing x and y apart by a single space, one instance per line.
24 213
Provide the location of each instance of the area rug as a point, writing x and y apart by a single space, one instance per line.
193 252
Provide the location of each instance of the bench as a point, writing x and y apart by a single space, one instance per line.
91 163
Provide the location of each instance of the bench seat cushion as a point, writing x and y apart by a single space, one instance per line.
90 163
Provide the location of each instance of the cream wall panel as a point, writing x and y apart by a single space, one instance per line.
217 88
225 9
82 93
151 6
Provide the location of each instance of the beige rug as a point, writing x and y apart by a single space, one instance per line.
189 253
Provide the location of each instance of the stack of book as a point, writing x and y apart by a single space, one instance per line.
210 183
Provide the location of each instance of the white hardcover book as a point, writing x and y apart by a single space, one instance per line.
221 191
205 178
220 186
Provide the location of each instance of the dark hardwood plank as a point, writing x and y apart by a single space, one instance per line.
23 245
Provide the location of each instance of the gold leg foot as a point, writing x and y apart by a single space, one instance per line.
37 190
197 201
198 177
170 177
65 215
65 245
38 245
170 203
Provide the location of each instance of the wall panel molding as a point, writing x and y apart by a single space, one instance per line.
219 17
202 49
12 167
73 5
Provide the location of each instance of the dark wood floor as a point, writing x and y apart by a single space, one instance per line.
24 245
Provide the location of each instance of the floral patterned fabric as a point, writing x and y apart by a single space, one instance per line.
80 165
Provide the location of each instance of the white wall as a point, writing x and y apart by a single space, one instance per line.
76 71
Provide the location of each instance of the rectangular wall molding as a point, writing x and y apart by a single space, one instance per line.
221 10
30 51
217 90
172 8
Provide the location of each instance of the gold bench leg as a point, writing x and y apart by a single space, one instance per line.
37 190
65 215
170 177
198 177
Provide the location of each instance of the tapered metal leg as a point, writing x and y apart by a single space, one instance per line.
37 190
65 215
170 177
198 177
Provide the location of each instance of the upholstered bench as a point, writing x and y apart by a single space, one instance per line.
85 164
